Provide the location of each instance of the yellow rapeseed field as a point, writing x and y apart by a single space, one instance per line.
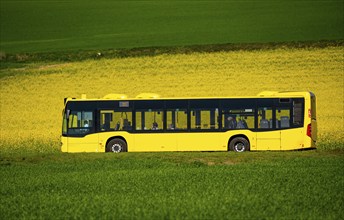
32 98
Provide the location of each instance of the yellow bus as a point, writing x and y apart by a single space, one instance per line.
116 123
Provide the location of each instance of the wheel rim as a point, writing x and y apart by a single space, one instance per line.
116 148
239 147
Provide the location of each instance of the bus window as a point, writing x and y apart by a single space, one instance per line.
111 120
265 118
298 113
149 119
204 119
282 118
238 119
176 119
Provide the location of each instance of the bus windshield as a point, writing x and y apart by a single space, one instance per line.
77 123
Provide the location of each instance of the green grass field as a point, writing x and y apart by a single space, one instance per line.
260 185
50 26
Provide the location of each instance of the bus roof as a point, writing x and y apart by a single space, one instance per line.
154 96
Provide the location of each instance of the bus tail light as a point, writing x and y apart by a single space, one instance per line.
309 130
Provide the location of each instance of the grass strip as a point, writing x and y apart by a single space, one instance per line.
12 60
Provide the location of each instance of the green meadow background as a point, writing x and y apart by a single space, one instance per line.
37 181
50 25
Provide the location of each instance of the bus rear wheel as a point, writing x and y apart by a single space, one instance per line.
116 146
239 144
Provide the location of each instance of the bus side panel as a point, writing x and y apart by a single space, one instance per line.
89 143
268 140
155 142
207 141
292 139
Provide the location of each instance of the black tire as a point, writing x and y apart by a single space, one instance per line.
116 146
239 144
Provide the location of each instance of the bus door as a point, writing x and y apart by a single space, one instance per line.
292 125
204 124
267 137
81 132
150 134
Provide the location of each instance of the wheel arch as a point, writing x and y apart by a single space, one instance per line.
235 136
116 137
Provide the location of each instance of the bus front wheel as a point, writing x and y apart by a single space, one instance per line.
239 144
116 146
